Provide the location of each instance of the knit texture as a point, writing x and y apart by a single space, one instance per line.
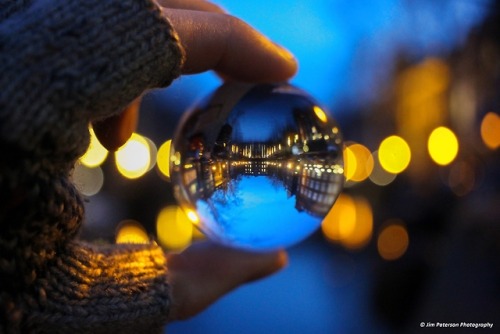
118 290
63 64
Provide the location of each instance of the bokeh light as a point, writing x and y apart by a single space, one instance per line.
394 154
131 232
350 163
349 222
134 158
358 162
379 175
393 240
88 181
163 160
490 130
340 221
153 153
174 228
442 145
95 154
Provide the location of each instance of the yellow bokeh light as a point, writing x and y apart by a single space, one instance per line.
349 222
358 162
339 220
320 114
490 130
131 232
362 232
350 163
394 154
96 153
174 228
163 158
393 240
133 159
380 176
442 145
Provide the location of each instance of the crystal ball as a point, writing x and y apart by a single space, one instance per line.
257 166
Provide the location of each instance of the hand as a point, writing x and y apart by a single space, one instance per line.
205 272
216 41
212 40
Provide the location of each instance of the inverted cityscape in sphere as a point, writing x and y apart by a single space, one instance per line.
260 165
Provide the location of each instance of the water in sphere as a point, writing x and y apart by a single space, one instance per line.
257 166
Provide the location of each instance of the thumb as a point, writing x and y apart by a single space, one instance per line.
114 131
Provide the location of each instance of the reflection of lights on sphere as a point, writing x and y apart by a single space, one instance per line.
257 166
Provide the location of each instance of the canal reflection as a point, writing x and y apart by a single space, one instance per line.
262 171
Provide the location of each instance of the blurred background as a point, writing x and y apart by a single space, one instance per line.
415 236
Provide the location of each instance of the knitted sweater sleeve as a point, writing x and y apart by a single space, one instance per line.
63 64
114 289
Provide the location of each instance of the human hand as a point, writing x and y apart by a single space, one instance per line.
212 40
205 272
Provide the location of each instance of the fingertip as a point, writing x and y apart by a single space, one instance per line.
231 47
277 261
253 57
288 58
113 132
267 263
282 259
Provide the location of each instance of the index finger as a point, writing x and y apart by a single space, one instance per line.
221 42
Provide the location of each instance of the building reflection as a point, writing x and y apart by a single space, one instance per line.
306 167
315 184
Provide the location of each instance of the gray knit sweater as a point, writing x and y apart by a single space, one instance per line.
64 63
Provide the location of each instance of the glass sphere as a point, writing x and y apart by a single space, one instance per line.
257 166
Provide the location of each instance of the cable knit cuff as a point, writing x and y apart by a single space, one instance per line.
122 289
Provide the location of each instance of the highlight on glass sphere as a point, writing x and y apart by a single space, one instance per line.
261 165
